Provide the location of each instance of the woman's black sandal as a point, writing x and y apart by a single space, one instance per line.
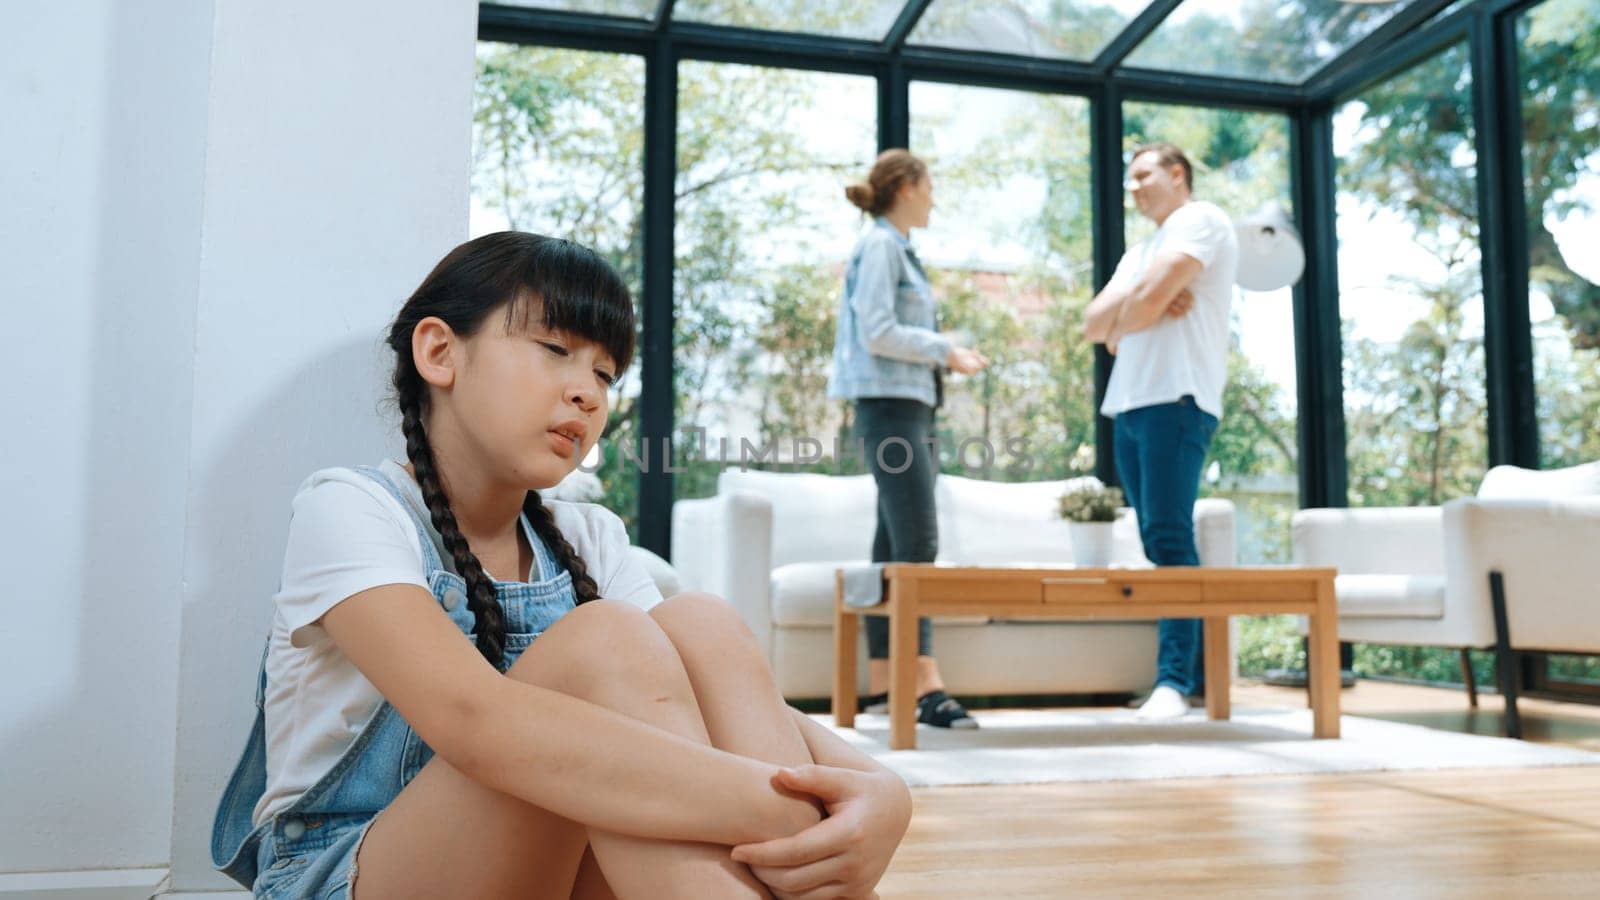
941 710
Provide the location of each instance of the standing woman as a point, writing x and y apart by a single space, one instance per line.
888 356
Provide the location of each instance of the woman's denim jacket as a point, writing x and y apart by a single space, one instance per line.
888 343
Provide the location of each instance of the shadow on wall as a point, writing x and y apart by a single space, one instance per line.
87 748
326 414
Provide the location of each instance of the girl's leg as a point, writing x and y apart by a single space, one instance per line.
733 686
448 836
591 883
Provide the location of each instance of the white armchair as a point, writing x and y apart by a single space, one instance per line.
1534 564
1522 551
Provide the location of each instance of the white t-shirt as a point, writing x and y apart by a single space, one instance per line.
1189 354
349 534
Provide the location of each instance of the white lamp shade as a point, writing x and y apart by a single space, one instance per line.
1270 254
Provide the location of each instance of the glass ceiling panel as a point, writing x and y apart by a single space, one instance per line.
870 19
1262 40
633 9
1055 29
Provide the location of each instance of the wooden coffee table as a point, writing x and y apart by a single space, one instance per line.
1213 594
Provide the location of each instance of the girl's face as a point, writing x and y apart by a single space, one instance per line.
530 402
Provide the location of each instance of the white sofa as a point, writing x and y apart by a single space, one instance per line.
1422 575
770 543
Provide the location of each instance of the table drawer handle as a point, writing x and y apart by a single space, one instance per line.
1127 590
1075 581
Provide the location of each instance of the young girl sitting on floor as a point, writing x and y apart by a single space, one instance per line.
472 693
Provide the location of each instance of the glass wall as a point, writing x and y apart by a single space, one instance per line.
1410 288
557 148
1056 29
1009 250
1411 308
1241 162
1560 62
1264 40
763 234
846 18
1559 58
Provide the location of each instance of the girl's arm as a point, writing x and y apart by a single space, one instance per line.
571 757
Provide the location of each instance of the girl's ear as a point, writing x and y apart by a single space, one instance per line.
433 351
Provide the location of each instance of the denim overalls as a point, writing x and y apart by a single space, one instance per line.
308 849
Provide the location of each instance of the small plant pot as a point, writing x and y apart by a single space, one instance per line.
1091 543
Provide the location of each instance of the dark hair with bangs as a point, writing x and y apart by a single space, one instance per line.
572 290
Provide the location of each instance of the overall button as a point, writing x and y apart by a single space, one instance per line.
451 598
294 829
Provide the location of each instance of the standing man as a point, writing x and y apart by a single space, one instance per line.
1164 315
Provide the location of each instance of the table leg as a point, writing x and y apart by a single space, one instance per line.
902 664
1219 667
1322 659
845 624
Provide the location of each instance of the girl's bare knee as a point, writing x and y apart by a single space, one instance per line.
696 613
603 645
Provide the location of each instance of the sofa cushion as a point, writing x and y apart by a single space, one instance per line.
814 516
1390 596
661 572
984 522
1513 483
803 596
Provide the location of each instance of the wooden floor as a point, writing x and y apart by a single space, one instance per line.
1483 833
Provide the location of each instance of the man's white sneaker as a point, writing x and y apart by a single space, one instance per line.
1164 703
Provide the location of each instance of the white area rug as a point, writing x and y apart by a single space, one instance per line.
1031 746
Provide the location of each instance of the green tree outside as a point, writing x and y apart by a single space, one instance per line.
558 147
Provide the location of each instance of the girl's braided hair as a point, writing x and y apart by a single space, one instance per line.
569 288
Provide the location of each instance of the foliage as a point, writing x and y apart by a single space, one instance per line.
1269 642
1036 397
1241 162
1091 503
762 154
539 116
1271 40
1071 30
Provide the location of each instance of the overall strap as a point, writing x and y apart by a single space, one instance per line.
261 679
234 836
430 553
544 559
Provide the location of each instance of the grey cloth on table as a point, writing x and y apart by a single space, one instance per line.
863 585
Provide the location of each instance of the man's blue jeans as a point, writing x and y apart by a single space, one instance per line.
1160 450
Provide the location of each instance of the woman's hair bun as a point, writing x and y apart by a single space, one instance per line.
861 195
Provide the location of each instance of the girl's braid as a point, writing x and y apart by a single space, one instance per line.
544 524
490 619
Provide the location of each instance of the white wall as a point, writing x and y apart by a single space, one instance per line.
208 211
336 175
102 107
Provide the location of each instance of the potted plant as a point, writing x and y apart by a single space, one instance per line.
1091 511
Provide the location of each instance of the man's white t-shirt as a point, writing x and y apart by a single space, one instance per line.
1189 354
348 534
